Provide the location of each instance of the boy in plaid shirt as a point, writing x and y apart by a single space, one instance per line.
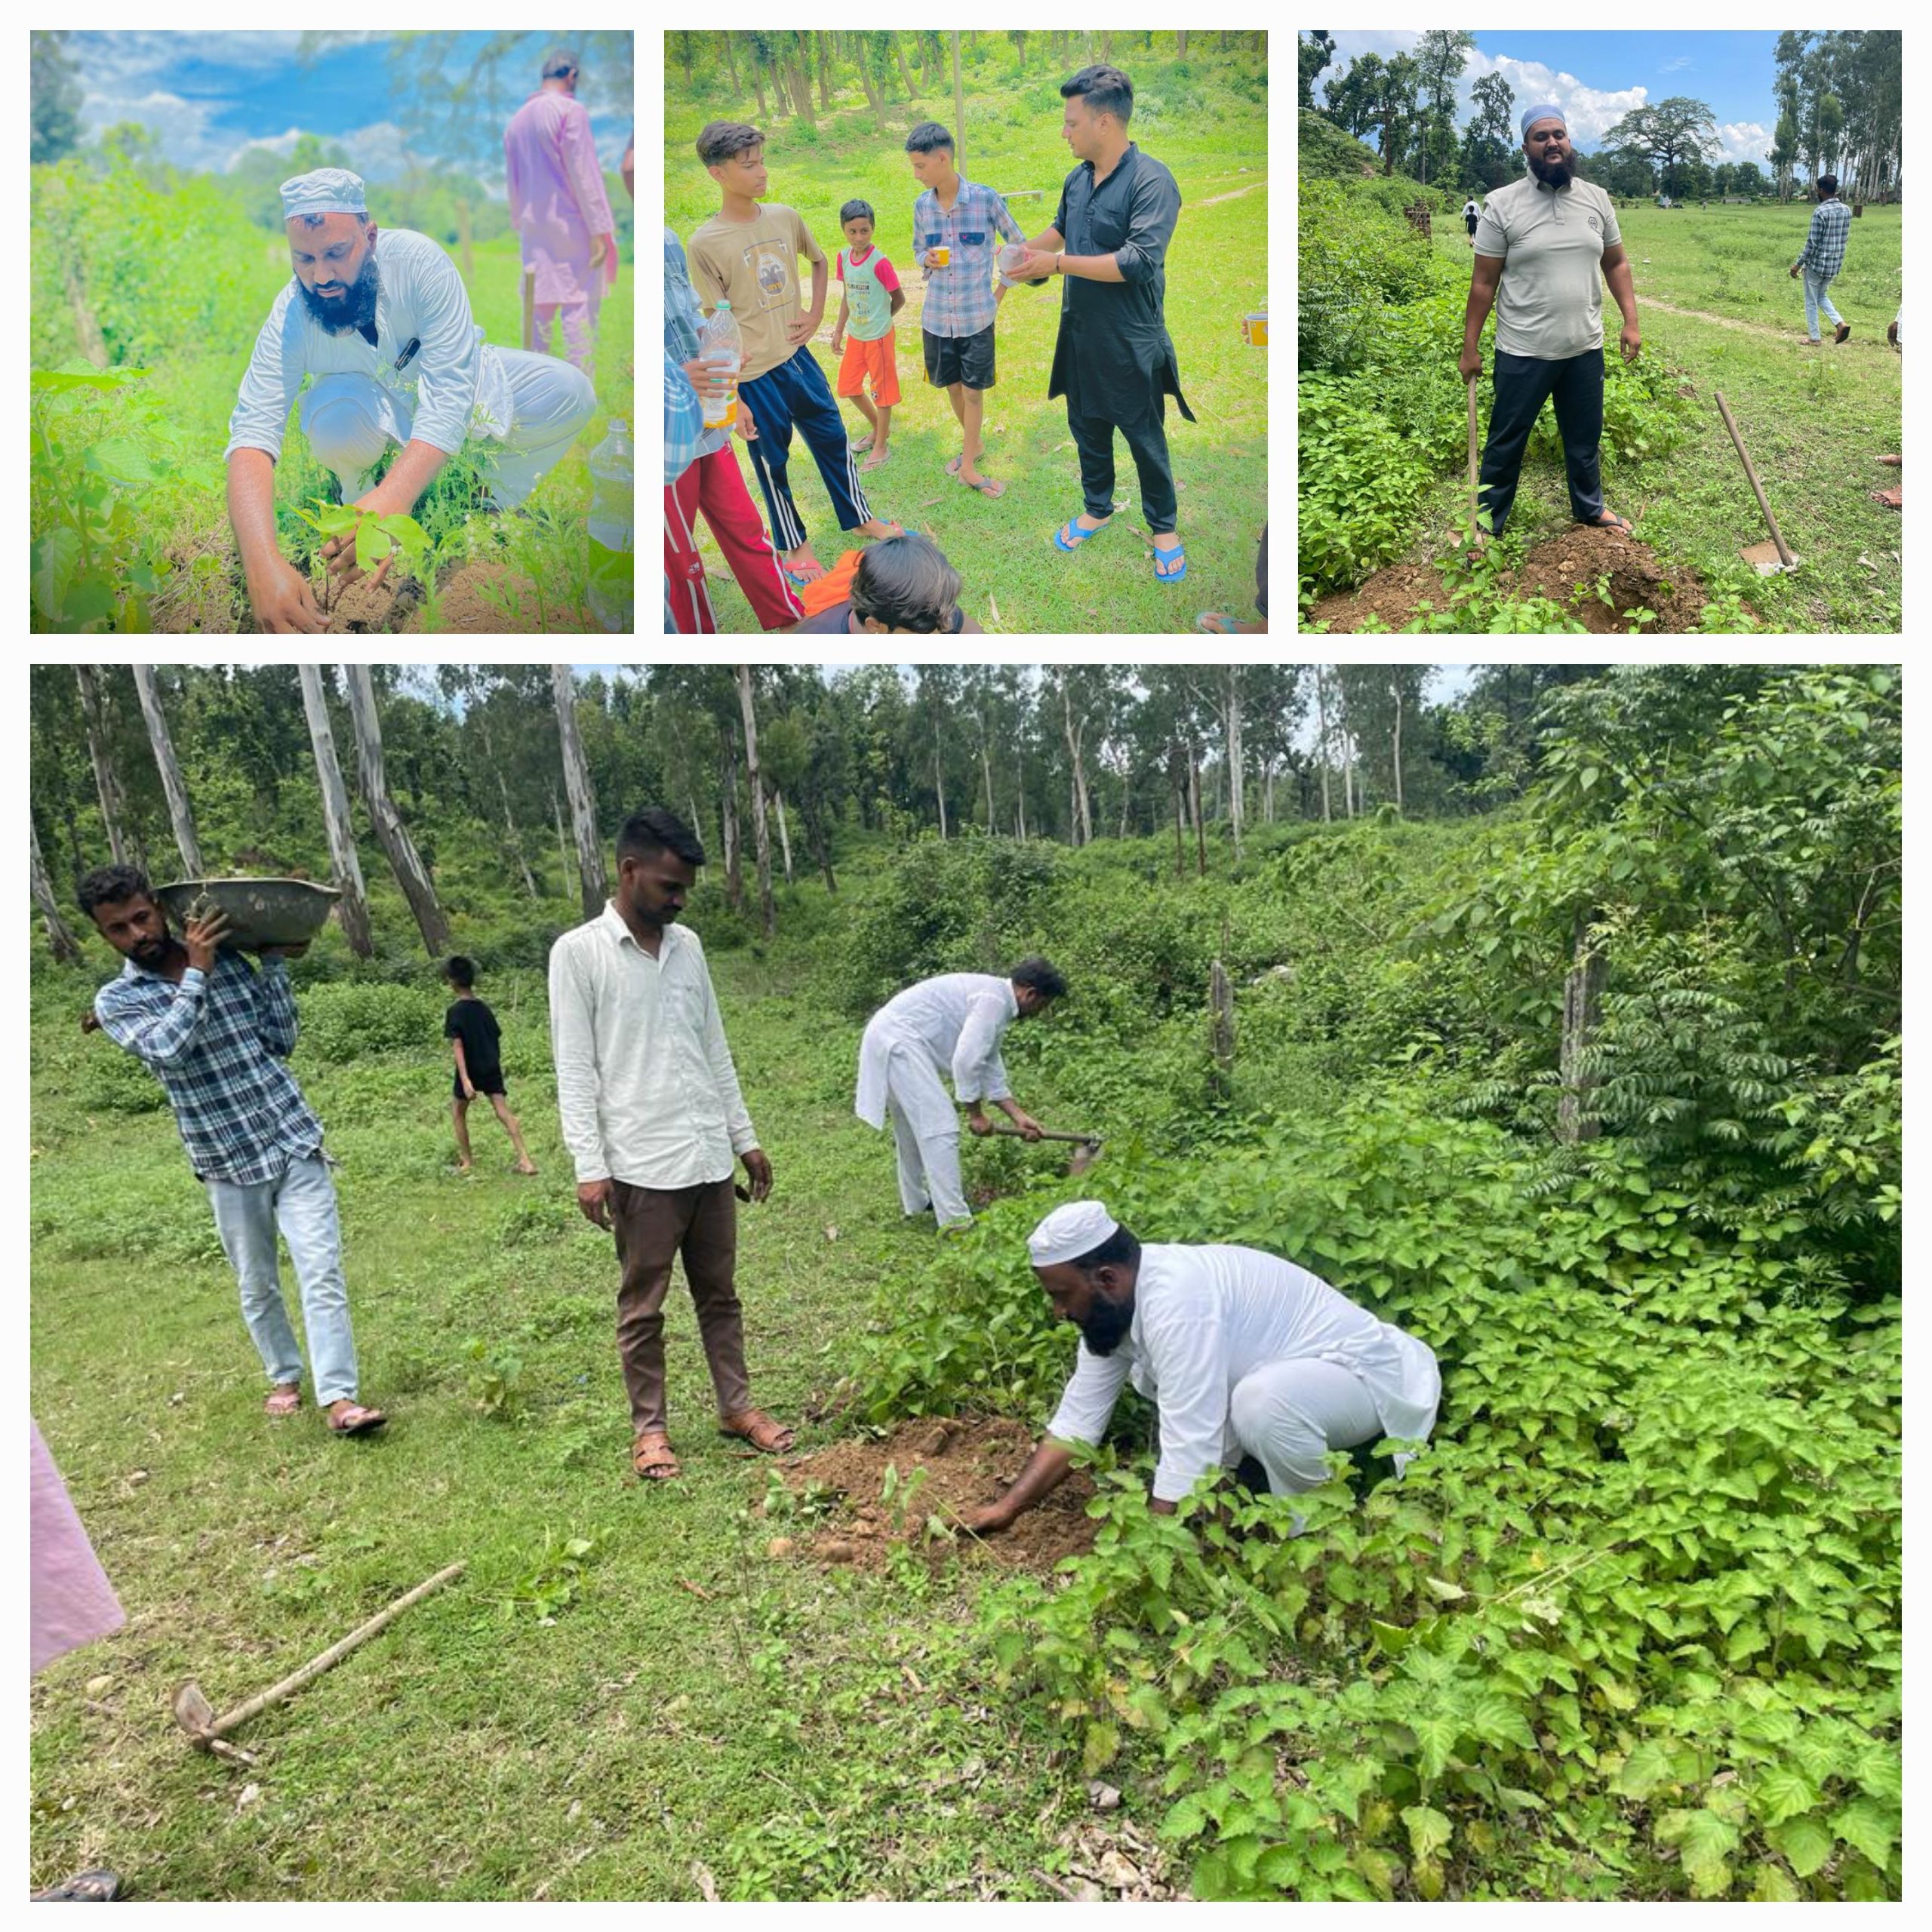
957 327
214 1034
1823 258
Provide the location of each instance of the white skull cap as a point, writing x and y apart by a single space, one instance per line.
323 191
1072 1229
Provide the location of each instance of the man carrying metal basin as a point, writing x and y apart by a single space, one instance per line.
214 1032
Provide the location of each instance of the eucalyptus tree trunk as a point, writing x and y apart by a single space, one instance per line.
1193 804
761 832
563 836
986 772
590 875
1583 1008
509 817
404 860
735 863
351 909
106 780
1083 810
1321 737
180 815
1396 755
1231 711
730 62
784 836
66 948
1221 1012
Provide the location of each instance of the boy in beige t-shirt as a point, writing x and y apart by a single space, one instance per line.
749 256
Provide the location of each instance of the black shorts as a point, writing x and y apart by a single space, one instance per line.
487 1080
960 359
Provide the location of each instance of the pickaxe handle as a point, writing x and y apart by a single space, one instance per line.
1050 1134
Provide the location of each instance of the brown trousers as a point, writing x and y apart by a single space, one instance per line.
654 1226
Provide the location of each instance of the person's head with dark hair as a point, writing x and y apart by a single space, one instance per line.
930 147
857 221
1100 103
1828 186
560 71
904 583
1088 1264
1035 982
125 912
460 971
734 152
658 856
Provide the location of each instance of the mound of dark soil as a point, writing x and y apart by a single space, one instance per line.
959 1464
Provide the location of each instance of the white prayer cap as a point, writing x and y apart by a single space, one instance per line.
1072 1229
323 191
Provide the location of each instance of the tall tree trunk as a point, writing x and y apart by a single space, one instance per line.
823 42
758 88
801 88
735 864
1583 1005
180 814
1126 799
1221 1012
1233 712
938 779
866 82
761 832
1180 43
1176 786
1083 820
784 836
563 836
1194 801
820 840
404 860
351 909
730 62
509 817
905 77
592 877
1321 737
986 771
106 780
1395 756
66 948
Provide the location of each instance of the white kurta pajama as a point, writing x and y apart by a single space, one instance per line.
1245 1353
528 408
949 1025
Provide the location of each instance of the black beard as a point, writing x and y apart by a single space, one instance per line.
1556 174
357 310
1107 1322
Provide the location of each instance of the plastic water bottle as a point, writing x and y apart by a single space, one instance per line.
719 341
612 469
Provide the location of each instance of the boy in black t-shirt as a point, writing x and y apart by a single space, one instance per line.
479 1065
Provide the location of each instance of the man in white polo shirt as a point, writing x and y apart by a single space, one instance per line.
653 1118
1540 244
1245 1355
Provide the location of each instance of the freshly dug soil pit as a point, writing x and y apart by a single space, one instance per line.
1577 555
963 1464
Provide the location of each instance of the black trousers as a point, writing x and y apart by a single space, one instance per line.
1094 437
1522 382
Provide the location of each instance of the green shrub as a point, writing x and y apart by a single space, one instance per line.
344 1020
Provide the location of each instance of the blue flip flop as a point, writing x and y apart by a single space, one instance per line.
1080 536
1170 577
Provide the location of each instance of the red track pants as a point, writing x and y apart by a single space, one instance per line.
714 487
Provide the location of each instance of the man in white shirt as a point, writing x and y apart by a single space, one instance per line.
1243 1353
951 1025
653 1117
388 335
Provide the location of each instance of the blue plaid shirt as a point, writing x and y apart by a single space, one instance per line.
1824 246
959 297
216 1042
682 318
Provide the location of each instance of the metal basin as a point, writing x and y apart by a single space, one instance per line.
261 911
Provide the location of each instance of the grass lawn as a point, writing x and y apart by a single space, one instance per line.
1813 420
697 1714
1208 121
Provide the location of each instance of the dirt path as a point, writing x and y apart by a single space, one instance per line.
1234 194
1722 321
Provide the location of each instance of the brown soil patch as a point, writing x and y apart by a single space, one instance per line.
1577 555
466 608
959 1464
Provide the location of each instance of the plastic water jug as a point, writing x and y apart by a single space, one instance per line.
612 470
719 341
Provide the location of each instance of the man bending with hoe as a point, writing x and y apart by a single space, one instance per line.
653 1118
950 1025
214 1033
381 320
1245 1355
1540 243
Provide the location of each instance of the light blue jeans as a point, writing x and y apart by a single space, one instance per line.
1815 299
301 1203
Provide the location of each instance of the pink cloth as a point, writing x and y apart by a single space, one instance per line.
557 197
73 1601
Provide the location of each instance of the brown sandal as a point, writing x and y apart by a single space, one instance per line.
755 1426
351 1418
651 1458
285 1398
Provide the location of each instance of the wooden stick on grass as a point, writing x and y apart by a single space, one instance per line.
1472 459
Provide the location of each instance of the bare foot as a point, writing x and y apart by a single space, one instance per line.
465 1167
879 526
523 1167
873 461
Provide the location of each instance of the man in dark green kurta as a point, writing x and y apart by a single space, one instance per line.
1115 361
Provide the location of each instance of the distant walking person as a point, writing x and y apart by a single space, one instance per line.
1471 213
560 209
1540 246
215 1033
1823 258
476 1044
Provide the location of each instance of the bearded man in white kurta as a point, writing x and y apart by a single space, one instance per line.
950 1025
381 319
1243 1354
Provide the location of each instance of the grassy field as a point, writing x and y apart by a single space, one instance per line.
1207 120
1812 421
698 1713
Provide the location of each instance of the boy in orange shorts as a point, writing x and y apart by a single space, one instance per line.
869 297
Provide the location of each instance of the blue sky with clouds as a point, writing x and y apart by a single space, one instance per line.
208 97
1596 78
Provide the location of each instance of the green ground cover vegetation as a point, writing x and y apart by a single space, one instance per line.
1630 1628
1205 116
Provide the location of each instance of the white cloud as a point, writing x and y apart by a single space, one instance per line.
1672 66
1744 140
